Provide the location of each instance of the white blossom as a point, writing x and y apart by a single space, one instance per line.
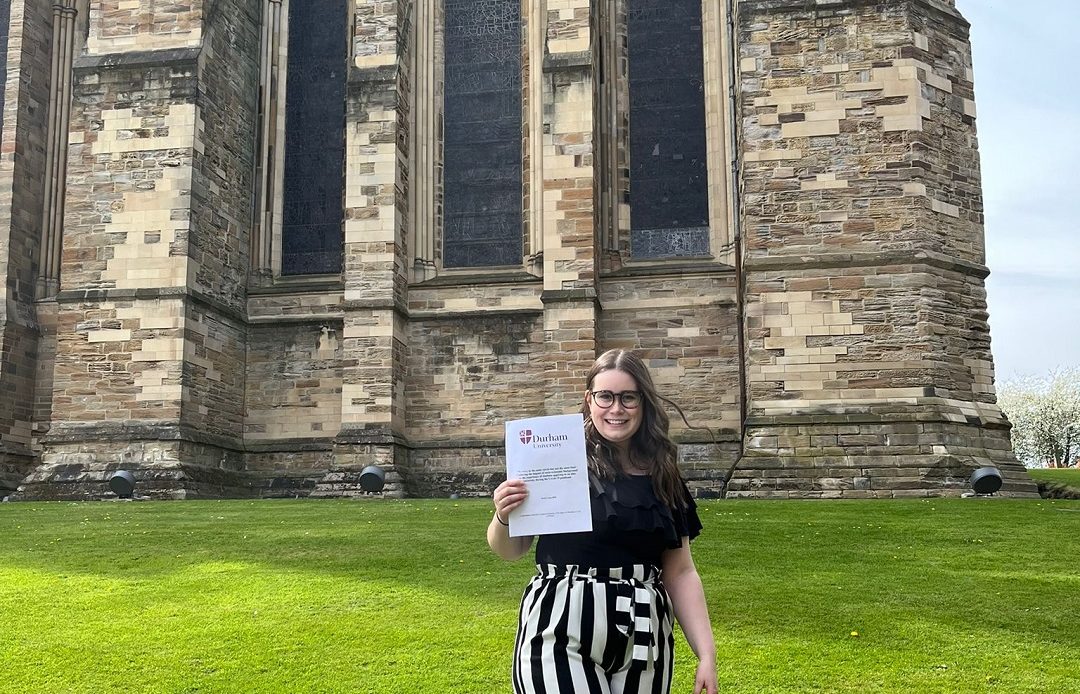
1045 414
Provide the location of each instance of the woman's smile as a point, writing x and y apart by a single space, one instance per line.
616 423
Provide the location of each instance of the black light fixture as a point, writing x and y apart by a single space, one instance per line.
372 478
986 480
122 483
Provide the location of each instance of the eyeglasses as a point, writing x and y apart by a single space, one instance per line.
630 399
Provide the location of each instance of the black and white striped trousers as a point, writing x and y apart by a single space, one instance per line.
600 631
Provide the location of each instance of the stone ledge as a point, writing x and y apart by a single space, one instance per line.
676 269
937 6
470 279
565 296
492 446
923 415
78 296
318 284
277 319
370 75
482 313
374 436
289 446
63 482
560 62
133 431
396 304
857 476
159 57
849 260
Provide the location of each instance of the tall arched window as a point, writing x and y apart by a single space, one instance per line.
669 186
314 157
482 133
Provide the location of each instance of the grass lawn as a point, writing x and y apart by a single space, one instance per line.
1067 476
961 595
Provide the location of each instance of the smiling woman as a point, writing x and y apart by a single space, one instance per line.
599 614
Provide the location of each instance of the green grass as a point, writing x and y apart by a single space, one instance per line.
1070 477
345 596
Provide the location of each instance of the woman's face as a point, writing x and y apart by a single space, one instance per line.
616 423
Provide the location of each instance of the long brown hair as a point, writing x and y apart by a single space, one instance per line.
651 448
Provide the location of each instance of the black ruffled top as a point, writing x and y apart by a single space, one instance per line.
630 526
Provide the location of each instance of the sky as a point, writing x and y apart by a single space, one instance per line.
1028 126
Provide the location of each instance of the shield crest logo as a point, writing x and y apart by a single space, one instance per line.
526 436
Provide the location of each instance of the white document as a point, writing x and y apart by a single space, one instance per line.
548 453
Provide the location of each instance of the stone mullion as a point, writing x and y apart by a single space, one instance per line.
616 243
607 130
426 112
48 279
717 45
269 152
533 106
68 42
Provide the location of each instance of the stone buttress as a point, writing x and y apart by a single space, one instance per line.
868 350
25 35
150 336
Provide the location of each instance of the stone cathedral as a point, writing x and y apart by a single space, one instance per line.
250 247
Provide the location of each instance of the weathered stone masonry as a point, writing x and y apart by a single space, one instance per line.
868 348
835 338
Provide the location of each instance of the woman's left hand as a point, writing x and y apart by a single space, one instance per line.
705 679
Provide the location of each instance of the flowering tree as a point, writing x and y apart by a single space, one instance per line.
1045 414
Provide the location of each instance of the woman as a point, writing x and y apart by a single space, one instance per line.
597 618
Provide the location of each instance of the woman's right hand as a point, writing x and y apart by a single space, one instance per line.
508 496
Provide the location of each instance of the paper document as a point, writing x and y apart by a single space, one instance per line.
548 453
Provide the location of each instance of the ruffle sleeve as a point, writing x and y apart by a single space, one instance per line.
634 507
687 522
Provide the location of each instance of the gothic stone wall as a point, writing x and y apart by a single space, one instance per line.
865 369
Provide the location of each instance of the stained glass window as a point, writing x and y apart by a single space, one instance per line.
313 184
669 197
482 133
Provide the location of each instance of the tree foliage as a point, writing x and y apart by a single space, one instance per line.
1045 414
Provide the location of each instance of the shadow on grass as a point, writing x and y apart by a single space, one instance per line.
812 571
432 545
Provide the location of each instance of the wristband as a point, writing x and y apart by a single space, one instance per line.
501 521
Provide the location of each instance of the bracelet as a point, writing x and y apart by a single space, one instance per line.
501 521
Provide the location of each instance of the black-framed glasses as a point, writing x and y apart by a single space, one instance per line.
630 399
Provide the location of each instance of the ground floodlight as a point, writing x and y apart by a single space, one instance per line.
372 478
122 483
986 480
